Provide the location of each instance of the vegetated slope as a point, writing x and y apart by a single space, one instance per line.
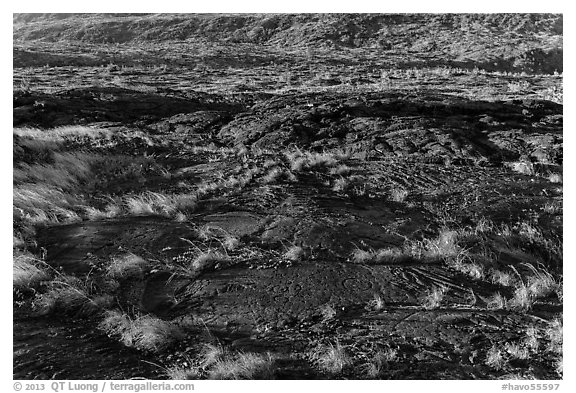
518 42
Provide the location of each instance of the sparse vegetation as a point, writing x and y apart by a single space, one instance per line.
127 266
294 253
331 358
243 366
70 295
27 272
495 359
434 297
496 302
382 359
143 332
398 195
377 303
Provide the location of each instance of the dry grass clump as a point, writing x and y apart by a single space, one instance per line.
530 232
243 366
444 246
377 303
62 133
381 256
341 170
294 253
434 297
27 272
69 294
523 167
398 194
111 210
161 204
531 339
230 242
555 178
146 333
207 260
381 362
273 175
327 312
126 266
496 302
66 171
340 185
521 299
541 283
552 208
211 354
39 204
331 358
483 226
495 359
362 256
559 366
471 269
501 278
299 160
517 351
554 333
182 372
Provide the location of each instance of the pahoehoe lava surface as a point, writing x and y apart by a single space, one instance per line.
332 196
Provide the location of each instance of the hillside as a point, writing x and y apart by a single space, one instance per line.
519 42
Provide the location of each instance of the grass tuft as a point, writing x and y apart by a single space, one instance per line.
495 359
496 302
243 366
26 273
398 195
380 363
146 333
434 298
331 358
294 253
126 266
377 303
